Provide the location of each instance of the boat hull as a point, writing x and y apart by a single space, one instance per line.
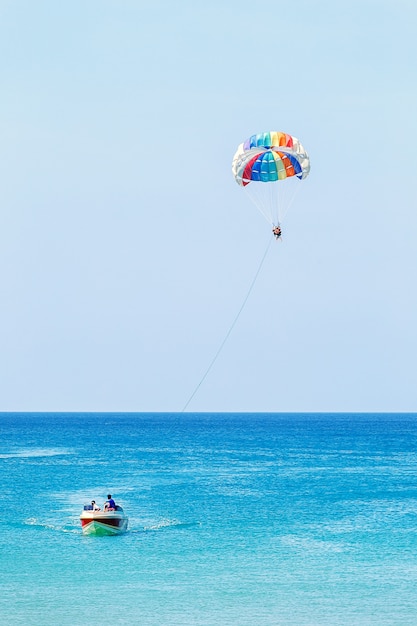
103 523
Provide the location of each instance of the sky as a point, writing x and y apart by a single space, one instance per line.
126 247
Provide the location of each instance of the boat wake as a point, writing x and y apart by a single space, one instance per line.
67 528
170 524
28 453
140 529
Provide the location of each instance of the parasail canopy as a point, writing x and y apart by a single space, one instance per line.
271 158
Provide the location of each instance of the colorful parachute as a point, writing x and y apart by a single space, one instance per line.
265 165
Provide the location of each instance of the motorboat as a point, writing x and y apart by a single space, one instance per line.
113 522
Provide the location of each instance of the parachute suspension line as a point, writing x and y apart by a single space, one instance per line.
262 200
273 200
289 200
231 327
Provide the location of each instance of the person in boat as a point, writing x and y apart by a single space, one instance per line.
94 505
109 504
277 232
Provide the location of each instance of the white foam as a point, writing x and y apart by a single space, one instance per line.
27 453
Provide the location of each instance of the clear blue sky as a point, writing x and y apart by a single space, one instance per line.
126 247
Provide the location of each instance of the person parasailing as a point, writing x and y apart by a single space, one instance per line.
277 232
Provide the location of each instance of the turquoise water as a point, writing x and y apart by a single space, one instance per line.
247 519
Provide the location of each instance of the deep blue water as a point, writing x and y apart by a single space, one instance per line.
247 519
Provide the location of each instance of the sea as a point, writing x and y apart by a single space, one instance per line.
249 519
